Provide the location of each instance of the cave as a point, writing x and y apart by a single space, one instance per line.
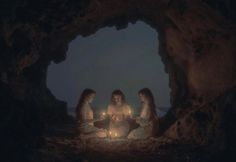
108 60
196 45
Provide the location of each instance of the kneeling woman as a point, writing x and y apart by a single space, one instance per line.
85 117
148 119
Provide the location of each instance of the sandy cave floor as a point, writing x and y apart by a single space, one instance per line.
67 146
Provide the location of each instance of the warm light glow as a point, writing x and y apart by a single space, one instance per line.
129 111
112 134
103 113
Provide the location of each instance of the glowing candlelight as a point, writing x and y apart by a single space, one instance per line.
103 115
129 112
116 134
110 132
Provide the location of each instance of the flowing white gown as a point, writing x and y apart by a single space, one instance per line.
146 126
86 124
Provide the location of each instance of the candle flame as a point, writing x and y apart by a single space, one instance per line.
116 134
103 113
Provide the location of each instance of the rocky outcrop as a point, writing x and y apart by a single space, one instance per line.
197 40
198 124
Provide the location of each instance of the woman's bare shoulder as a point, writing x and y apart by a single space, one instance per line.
110 106
85 107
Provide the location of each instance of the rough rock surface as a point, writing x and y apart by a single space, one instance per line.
197 46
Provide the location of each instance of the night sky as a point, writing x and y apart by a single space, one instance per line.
109 59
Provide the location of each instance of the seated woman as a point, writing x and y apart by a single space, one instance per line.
84 116
119 111
148 116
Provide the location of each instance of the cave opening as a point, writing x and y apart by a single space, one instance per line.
126 59
197 46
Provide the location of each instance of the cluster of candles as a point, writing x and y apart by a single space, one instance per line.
111 133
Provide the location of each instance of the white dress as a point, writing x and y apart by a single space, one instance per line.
86 126
146 126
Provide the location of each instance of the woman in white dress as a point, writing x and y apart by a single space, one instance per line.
118 111
85 116
148 119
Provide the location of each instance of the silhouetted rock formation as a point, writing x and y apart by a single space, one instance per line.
197 46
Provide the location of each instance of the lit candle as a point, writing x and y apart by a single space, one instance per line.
110 133
116 134
103 113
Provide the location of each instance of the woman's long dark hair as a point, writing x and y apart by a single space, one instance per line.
151 103
87 92
119 93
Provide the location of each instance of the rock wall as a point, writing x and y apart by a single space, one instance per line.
196 37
